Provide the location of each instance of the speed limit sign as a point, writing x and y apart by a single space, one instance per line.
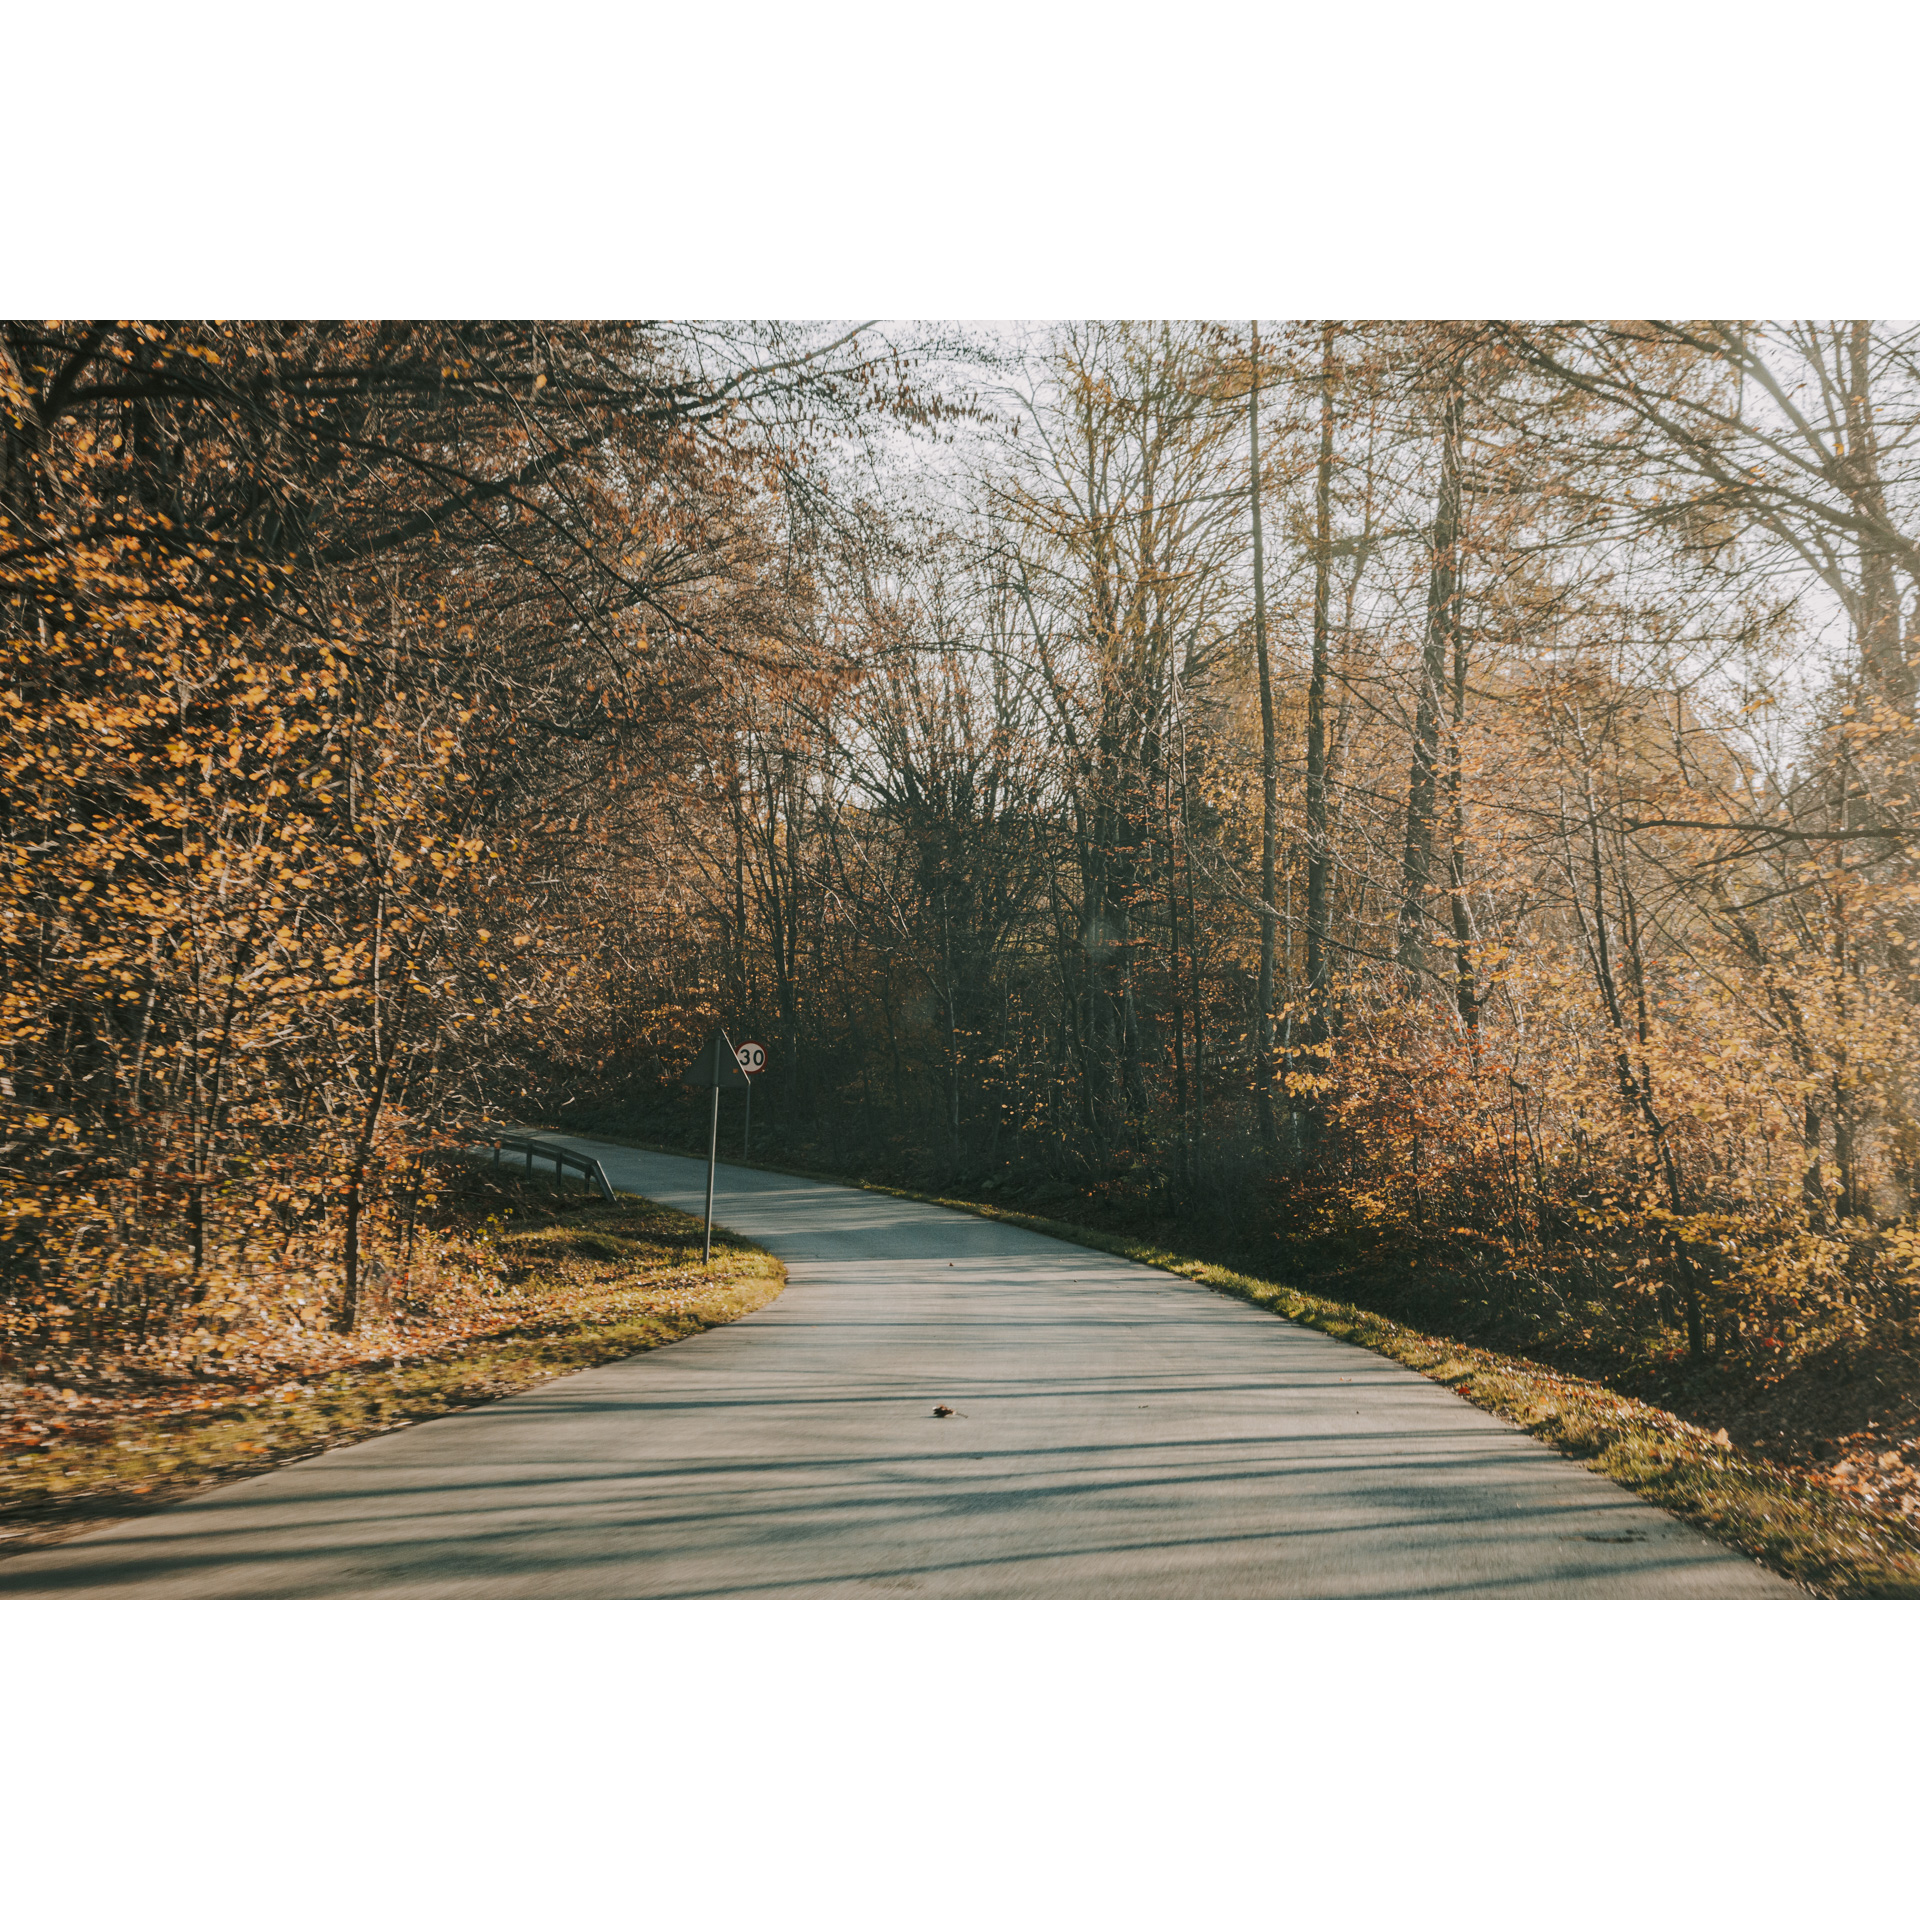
752 1056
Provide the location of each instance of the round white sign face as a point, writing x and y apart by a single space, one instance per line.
752 1056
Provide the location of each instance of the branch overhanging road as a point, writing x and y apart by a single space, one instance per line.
1116 1432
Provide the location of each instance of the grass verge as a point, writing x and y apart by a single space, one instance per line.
585 1283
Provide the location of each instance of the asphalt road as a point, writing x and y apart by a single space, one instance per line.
1116 1432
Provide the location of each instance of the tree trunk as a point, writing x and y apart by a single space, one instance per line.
1466 994
1319 839
1269 777
385 1046
1193 963
1443 614
1878 618
1181 1097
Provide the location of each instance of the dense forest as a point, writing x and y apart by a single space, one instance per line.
1439 787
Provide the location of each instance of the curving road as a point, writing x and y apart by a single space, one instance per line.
1117 1432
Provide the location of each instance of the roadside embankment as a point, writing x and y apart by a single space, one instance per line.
568 1282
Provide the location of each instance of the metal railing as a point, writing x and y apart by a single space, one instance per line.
562 1158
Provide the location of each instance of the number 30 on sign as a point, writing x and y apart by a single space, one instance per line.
752 1056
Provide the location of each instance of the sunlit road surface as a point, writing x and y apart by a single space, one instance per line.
1116 1432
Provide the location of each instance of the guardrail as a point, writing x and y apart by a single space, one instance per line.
562 1158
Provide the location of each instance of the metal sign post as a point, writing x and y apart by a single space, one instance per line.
715 1068
713 1149
752 1057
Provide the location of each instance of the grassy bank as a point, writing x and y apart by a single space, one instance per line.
1808 1523
574 1282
